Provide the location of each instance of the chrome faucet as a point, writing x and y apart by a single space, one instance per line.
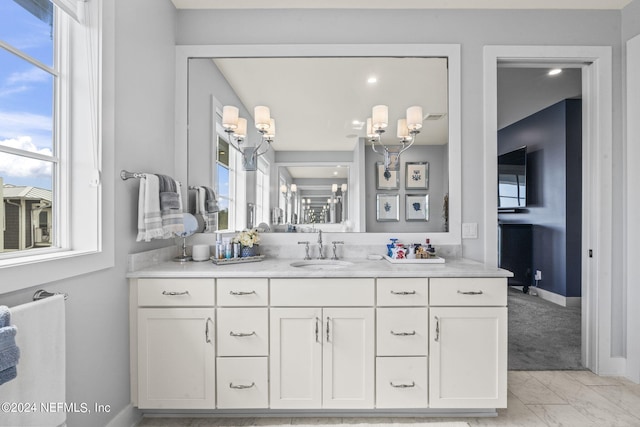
321 254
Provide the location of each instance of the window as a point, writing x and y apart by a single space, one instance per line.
262 192
50 130
29 150
224 184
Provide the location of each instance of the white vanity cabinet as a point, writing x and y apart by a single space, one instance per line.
175 343
468 343
322 355
402 343
243 343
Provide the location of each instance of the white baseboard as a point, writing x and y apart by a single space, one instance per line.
556 298
128 417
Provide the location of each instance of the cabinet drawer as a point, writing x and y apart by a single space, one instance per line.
243 332
398 292
176 292
401 382
402 331
468 292
335 292
242 382
243 292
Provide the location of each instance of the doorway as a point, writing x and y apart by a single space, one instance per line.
595 63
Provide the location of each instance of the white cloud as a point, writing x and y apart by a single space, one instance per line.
16 166
33 75
14 125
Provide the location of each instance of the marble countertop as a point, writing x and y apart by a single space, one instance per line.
275 267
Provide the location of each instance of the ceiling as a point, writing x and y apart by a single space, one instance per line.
321 104
401 4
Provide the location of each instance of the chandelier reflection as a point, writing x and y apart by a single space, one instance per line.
236 127
408 128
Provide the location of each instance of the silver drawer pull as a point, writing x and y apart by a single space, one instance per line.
241 334
241 386
413 384
206 330
403 334
172 294
241 292
403 293
470 292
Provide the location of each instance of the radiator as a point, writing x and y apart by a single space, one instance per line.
36 397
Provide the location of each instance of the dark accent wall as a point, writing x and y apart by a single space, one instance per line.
553 137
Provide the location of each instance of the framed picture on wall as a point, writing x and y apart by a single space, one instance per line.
417 174
387 180
388 208
416 207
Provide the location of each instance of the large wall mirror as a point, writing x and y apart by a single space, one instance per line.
320 97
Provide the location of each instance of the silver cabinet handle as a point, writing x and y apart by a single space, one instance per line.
470 292
170 293
413 384
403 334
437 338
206 330
241 292
241 334
317 329
328 321
241 386
403 293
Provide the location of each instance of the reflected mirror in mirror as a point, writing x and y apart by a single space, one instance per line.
321 106
313 197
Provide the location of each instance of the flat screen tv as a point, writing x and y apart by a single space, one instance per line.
512 179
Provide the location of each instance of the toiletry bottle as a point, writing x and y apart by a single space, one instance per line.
227 247
219 247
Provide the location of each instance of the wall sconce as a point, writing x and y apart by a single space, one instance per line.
408 128
236 128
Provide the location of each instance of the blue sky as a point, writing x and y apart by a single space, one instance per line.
26 96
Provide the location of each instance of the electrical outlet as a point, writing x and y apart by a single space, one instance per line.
470 230
538 275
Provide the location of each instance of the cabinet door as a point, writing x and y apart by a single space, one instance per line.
176 358
348 358
468 357
296 358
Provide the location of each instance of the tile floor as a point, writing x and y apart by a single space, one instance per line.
536 398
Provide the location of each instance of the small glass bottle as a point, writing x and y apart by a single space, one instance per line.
227 247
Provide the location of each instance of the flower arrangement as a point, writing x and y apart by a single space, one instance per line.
247 238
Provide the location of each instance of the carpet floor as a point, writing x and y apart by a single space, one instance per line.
543 336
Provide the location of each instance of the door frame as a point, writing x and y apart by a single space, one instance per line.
597 103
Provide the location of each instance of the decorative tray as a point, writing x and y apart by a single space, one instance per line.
240 260
436 260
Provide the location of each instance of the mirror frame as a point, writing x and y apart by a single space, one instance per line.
450 51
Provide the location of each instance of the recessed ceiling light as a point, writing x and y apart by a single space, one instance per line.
335 173
372 79
555 71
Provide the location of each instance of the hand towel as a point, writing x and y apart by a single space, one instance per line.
9 352
212 201
5 316
8 375
172 217
149 218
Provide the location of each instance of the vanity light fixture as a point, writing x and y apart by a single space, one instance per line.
236 127
408 128
555 71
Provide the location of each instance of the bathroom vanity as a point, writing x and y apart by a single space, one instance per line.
362 336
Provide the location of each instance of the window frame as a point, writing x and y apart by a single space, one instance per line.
85 214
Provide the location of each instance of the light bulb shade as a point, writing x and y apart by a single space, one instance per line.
344 188
414 118
241 130
334 188
403 130
370 132
271 132
262 117
283 188
294 188
380 117
328 201
230 117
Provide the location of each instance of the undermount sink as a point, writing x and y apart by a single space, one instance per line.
321 264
